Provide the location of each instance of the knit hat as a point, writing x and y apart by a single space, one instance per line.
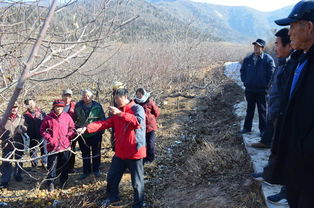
58 103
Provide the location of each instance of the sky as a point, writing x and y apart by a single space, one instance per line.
261 5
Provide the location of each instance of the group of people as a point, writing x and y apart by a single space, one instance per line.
133 123
287 127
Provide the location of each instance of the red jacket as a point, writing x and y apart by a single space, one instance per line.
151 113
129 131
57 130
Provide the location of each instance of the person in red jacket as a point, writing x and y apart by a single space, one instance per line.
128 121
57 129
69 108
152 113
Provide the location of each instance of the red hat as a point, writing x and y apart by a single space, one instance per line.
58 103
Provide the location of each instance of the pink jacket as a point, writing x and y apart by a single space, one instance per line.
58 131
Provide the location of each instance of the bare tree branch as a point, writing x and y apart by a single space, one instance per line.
28 65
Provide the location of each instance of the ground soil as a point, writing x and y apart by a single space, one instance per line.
201 161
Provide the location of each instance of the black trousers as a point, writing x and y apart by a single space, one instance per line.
90 145
267 137
6 168
300 198
58 167
253 99
150 146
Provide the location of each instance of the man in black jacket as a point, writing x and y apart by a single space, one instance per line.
256 72
293 145
33 118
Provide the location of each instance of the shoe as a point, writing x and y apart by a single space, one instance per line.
97 174
260 145
18 178
244 131
51 187
4 185
258 176
83 176
279 199
107 202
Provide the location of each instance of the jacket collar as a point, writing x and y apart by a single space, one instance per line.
300 56
34 114
128 106
310 53
52 114
261 55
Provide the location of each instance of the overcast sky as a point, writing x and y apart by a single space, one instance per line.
262 5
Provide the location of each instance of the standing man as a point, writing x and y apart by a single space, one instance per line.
294 139
279 82
69 108
128 121
256 72
12 146
87 111
33 118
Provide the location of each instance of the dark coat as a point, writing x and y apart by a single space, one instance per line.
278 85
33 121
293 144
256 77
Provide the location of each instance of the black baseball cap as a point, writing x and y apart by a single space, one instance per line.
304 10
260 42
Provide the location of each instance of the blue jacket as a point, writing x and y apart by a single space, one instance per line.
256 77
278 85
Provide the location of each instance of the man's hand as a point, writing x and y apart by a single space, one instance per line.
81 130
114 110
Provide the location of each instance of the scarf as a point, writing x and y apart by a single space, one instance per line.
144 98
12 116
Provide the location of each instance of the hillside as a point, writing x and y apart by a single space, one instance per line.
231 23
